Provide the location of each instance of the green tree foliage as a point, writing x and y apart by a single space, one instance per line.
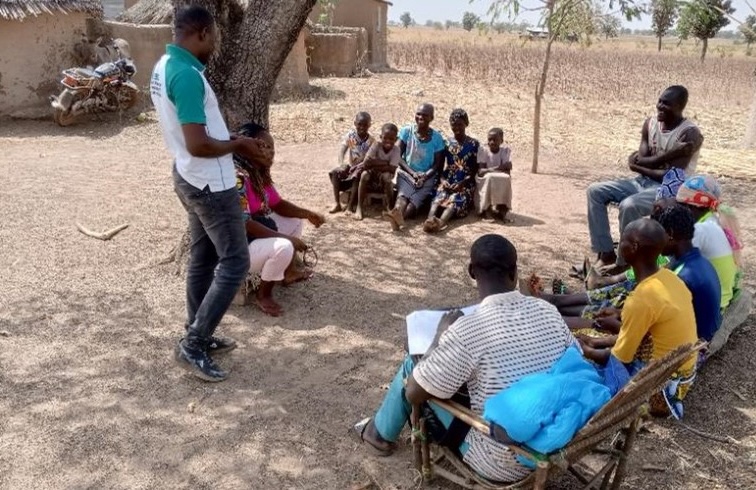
326 11
469 21
406 20
663 16
748 29
703 19
608 26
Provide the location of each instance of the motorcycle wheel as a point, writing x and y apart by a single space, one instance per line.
63 118
128 101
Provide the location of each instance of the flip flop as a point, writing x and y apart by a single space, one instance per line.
307 275
440 225
267 311
430 226
358 433
558 286
582 272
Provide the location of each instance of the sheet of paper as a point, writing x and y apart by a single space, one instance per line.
422 327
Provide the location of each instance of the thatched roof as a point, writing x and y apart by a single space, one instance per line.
149 12
20 9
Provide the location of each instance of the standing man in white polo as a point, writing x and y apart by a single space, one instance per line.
205 181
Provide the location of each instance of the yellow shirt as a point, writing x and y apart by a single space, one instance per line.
662 307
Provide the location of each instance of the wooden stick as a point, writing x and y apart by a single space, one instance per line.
106 235
725 439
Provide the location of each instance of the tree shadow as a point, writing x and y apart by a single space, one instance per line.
94 126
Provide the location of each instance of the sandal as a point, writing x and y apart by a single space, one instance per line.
581 273
358 432
430 226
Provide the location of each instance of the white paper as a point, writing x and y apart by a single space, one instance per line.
422 327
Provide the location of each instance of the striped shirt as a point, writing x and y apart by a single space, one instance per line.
508 337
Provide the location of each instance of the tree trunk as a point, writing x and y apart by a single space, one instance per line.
750 136
704 47
660 41
255 41
558 13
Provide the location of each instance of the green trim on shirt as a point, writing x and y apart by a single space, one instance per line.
185 85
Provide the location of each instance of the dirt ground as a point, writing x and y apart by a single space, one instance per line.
89 394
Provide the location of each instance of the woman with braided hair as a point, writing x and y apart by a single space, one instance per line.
274 225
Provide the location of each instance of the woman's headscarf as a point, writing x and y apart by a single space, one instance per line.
703 191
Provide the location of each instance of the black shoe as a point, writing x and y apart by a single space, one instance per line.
220 345
199 364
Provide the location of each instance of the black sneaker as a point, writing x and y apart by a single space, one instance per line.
220 345
199 364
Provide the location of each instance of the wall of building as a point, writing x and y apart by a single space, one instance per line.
147 43
371 16
338 53
294 78
34 52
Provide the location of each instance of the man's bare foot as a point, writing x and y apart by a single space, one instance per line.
336 209
395 215
297 275
268 306
605 259
592 279
358 214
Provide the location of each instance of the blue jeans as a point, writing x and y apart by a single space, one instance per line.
219 257
635 198
395 410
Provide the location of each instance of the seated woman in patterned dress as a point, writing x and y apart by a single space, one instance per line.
454 196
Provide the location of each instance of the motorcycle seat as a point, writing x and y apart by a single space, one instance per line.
85 72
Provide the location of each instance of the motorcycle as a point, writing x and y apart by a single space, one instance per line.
107 88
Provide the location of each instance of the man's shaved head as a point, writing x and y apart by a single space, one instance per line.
493 255
426 109
645 238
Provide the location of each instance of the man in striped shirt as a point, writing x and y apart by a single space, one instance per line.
509 336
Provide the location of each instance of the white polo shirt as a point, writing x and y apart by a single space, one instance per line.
181 95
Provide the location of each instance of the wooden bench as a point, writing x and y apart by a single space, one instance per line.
614 426
734 316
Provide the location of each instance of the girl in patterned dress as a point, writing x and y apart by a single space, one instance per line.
454 195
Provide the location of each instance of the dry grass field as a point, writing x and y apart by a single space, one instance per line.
89 396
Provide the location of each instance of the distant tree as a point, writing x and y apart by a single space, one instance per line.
428 23
626 31
438 26
406 20
609 26
703 19
448 24
327 8
469 21
748 29
500 27
663 16
557 14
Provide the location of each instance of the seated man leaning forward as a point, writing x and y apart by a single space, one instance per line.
508 337
669 140
423 158
657 317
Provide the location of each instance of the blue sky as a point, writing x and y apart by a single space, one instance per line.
423 10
